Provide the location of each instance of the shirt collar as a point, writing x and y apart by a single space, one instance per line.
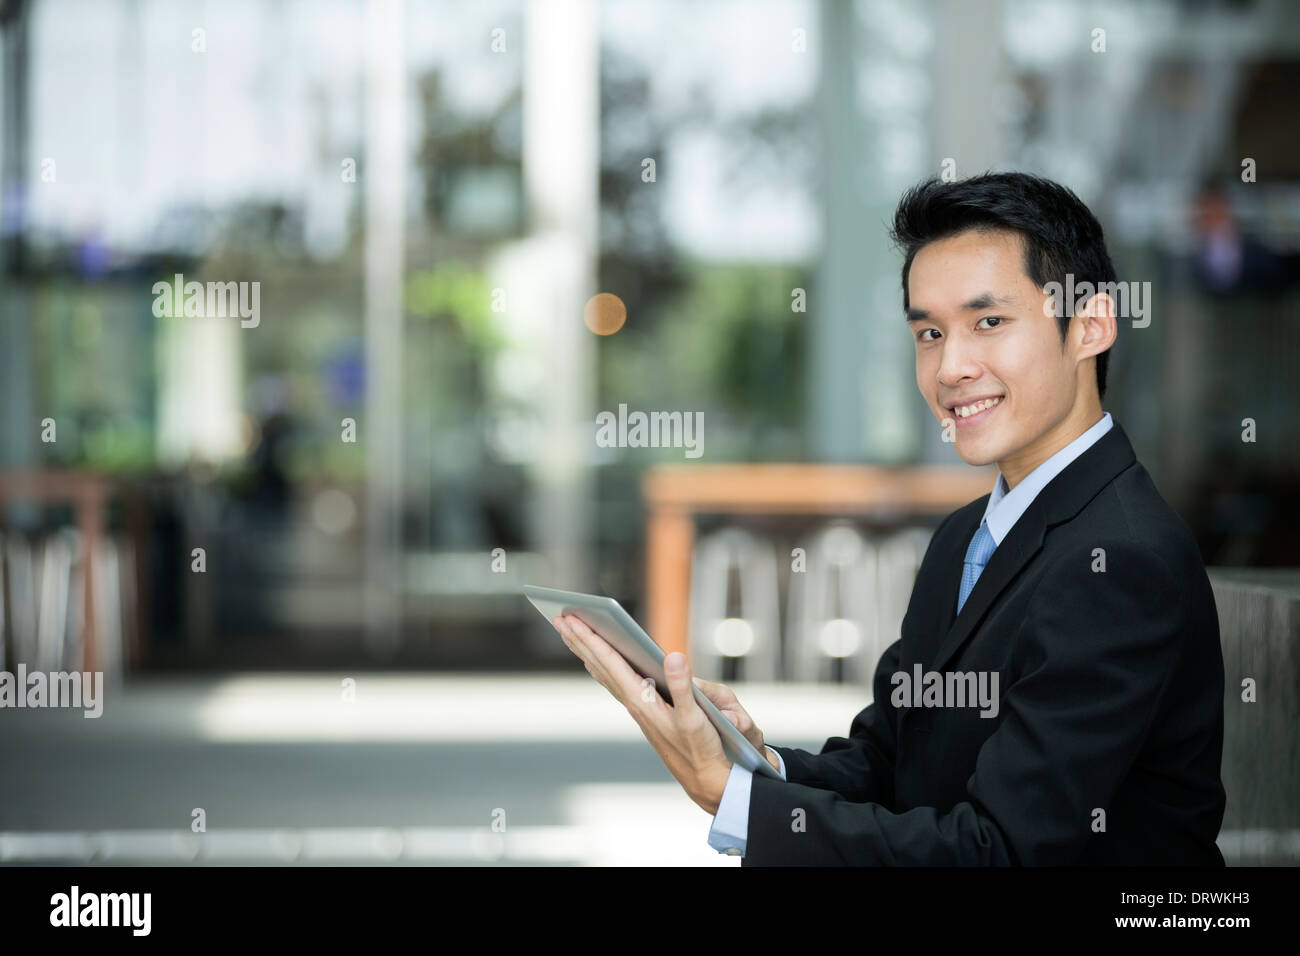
1005 507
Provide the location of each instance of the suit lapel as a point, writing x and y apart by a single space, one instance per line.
1062 498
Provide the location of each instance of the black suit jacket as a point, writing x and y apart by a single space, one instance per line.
1107 743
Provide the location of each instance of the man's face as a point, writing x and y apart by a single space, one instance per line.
981 332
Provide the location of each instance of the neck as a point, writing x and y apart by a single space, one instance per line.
1016 466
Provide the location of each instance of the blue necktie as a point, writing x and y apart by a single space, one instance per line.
977 555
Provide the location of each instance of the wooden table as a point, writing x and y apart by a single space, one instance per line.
675 494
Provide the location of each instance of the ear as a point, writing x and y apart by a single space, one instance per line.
1097 328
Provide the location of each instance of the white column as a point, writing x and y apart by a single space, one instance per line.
561 153
384 174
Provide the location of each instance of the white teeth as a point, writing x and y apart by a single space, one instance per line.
966 411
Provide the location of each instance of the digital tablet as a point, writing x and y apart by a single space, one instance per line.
607 618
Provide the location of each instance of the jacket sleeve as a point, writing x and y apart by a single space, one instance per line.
860 767
1095 653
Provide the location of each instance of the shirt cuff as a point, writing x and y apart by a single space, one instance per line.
731 823
780 760
730 829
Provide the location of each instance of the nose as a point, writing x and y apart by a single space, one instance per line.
958 361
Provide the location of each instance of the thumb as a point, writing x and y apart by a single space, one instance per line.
735 720
679 679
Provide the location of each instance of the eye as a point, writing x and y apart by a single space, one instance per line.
922 332
992 318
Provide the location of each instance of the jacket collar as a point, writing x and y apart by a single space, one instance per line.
1060 500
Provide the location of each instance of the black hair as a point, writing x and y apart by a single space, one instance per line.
1058 232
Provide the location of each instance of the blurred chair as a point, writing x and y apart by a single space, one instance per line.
746 629
110 597
57 556
832 607
61 589
20 599
42 615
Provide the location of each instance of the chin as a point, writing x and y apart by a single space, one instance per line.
976 459
978 453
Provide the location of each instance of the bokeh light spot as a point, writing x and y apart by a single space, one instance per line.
604 313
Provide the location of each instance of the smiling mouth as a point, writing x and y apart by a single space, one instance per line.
976 413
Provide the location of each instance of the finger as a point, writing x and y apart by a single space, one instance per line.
571 642
605 664
720 694
583 653
598 649
678 673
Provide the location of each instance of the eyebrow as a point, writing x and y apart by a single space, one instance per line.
981 301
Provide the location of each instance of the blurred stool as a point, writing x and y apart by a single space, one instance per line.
832 619
58 551
740 624
20 579
42 583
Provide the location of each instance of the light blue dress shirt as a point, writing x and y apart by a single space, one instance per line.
731 823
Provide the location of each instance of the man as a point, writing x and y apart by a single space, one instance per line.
1072 590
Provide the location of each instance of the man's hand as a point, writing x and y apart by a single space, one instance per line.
681 734
726 701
